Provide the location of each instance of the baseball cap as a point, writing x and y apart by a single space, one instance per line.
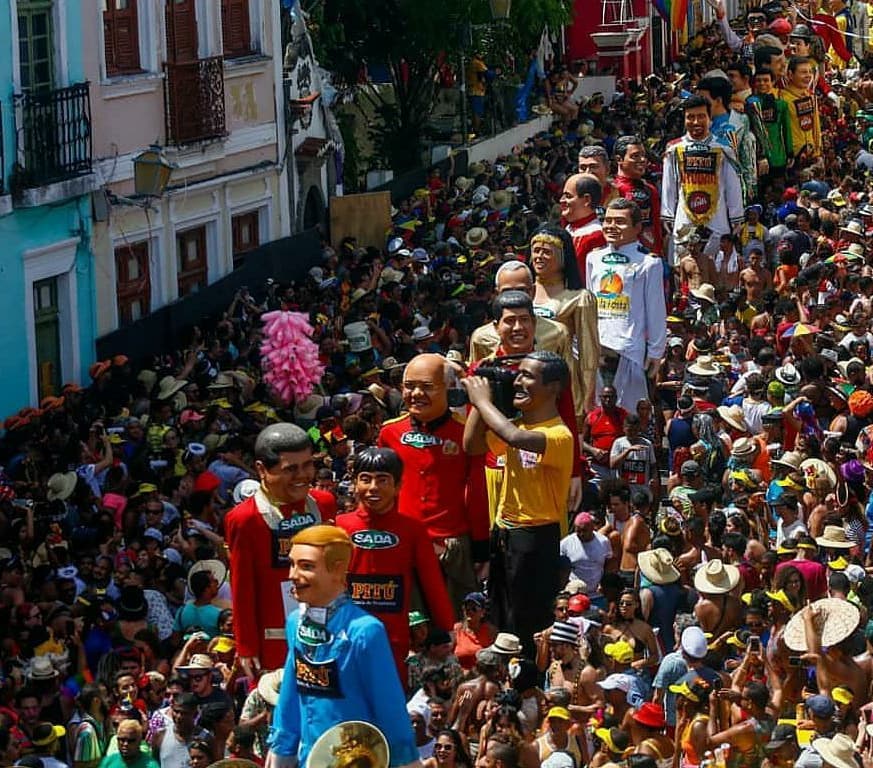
690 467
820 706
562 713
782 734
583 518
477 598
616 682
417 618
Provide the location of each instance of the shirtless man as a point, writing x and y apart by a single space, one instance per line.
716 608
695 549
467 713
835 665
636 537
619 508
696 267
756 278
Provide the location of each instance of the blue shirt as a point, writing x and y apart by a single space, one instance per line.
671 669
343 670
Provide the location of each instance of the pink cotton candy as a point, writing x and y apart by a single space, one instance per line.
289 356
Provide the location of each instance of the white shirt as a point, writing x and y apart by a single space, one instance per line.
588 558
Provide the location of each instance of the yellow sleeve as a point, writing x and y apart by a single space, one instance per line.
559 447
495 444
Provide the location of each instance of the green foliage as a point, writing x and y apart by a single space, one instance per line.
409 39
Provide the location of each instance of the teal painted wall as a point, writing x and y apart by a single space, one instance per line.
29 228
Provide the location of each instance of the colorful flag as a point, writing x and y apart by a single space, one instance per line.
674 12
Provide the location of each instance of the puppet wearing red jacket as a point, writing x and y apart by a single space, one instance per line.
392 551
259 539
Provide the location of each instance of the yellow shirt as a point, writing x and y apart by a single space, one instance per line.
536 485
803 119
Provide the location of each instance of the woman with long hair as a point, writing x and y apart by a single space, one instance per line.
448 751
559 295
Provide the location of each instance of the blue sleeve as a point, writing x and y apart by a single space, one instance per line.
378 676
284 736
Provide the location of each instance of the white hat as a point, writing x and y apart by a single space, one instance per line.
716 578
395 244
245 489
616 682
422 333
706 292
838 752
693 642
657 566
788 374
704 366
269 685
153 533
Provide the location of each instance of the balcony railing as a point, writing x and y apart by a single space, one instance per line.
194 100
54 135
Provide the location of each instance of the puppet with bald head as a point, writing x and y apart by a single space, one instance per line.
429 440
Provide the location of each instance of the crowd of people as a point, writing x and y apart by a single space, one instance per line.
597 418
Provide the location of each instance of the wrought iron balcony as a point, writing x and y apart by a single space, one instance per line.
194 100
54 135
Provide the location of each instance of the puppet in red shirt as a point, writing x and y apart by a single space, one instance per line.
392 553
580 198
258 532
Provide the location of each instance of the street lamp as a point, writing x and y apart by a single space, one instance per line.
500 9
151 172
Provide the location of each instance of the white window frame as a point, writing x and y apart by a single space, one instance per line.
151 51
57 260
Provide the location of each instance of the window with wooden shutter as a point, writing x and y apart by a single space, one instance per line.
235 28
121 37
191 262
244 230
132 283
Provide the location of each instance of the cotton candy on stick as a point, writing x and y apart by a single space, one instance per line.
289 356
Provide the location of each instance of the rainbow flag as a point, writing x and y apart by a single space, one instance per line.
674 12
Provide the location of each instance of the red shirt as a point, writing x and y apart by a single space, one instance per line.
605 428
392 552
646 196
587 235
815 575
258 572
435 474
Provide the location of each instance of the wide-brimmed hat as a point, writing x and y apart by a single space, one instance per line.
269 685
169 386
651 715
222 381
506 643
716 578
199 661
463 183
834 538
838 752
215 567
853 227
500 199
476 236
733 415
132 605
390 363
704 366
790 459
41 668
245 489
378 393
61 485
706 292
657 566
834 619
788 375
743 448
818 475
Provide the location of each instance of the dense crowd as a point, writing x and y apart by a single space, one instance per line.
598 417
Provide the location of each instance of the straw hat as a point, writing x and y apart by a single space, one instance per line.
706 292
657 566
168 387
733 415
41 668
789 459
215 567
835 619
744 448
834 538
198 661
463 183
704 366
716 578
838 752
853 227
788 375
500 199
819 475
476 236
61 486
506 644
269 685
